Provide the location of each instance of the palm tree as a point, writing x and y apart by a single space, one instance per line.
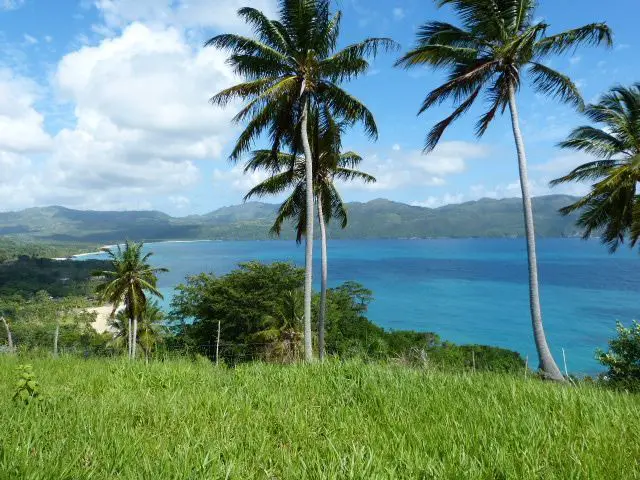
131 279
612 207
498 42
281 329
291 66
150 328
289 173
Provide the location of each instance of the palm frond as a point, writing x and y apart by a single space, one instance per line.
550 82
592 34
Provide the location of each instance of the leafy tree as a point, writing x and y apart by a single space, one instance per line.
129 283
623 357
499 41
291 67
248 302
289 173
612 207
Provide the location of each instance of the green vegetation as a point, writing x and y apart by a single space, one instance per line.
497 43
26 276
256 311
612 208
13 249
178 419
623 358
44 323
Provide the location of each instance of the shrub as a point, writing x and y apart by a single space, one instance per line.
623 358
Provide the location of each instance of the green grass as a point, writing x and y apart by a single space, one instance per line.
106 419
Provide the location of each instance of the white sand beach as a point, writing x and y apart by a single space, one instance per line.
101 325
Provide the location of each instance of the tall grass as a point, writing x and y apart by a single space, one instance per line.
105 419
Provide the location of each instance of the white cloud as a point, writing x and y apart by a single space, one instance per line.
622 46
413 168
29 39
11 4
142 115
21 126
180 202
237 180
398 13
439 201
396 147
576 59
48 38
141 119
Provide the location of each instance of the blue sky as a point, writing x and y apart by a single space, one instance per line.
103 105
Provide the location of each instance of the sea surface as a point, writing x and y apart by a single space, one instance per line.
466 290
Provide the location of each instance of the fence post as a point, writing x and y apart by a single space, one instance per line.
218 344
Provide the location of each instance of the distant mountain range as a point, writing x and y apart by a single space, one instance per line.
251 221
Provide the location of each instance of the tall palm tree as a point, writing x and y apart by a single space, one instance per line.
290 66
612 207
130 281
289 173
499 41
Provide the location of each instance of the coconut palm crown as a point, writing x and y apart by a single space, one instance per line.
499 41
612 207
289 63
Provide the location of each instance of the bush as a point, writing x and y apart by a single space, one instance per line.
623 358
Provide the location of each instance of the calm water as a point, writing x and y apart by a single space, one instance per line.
468 291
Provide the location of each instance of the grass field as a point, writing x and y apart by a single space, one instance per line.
106 419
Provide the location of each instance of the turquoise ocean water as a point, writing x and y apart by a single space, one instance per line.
467 290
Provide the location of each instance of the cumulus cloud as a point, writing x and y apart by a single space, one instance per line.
21 126
413 168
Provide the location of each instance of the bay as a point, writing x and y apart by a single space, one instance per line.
466 290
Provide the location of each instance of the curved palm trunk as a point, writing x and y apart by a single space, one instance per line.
134 339
547 363
9 336
308 270
323 286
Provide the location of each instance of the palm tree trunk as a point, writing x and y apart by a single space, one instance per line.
9 336
134 340
323 285
56 336
547 364
308 270
129 333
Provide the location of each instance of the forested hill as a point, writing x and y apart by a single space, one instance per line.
374 219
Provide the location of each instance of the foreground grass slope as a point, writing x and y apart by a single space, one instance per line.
110 419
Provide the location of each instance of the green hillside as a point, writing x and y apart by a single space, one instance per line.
374 219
